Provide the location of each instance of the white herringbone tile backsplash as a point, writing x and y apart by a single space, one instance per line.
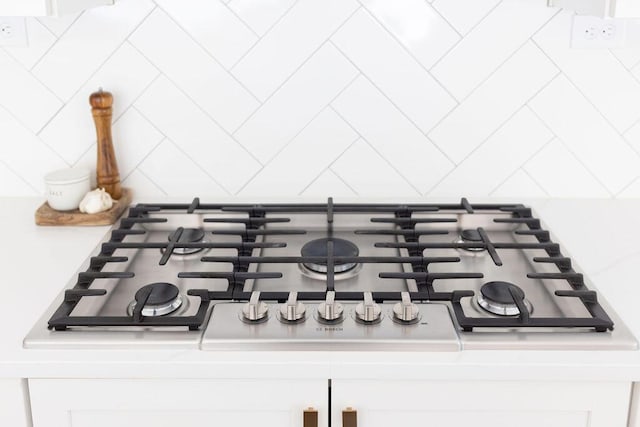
325 97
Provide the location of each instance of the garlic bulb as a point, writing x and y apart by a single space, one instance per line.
96 201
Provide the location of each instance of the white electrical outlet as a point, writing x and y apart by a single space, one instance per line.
13 31
590 32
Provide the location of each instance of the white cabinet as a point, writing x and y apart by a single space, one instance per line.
481 404
46 7
170 403
377 403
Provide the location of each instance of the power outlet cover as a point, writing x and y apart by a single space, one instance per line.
13 31
590 32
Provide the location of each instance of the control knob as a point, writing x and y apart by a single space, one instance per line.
330 310
406 311
292 310
255 311
368 311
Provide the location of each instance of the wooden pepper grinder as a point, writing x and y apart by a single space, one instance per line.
107 173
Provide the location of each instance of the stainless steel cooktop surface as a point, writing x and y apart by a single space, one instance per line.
420 277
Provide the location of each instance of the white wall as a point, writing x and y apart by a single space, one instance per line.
326 97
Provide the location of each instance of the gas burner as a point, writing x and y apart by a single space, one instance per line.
470 235
341 248
164 298
189 235
496 298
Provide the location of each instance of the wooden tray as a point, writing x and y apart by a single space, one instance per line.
45 215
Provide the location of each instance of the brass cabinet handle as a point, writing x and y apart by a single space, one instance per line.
349 417
310 417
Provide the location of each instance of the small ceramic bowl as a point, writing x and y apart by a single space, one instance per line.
66 188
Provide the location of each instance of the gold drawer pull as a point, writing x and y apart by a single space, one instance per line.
349 417
310 417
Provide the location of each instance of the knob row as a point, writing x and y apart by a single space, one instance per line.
368 311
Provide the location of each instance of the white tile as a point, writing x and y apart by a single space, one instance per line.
58 25
499 157
260 15
379 56
296 103
596 72
141 186
369 174
560 174
40 40
633 136
177 117
25 153
519 185
281 51
28 99
193 70
489 44
214 26
418 27
328 184
464 14
632 191
176 174
576 122
301 161
12 186
126 74
628 56
392 135
134 138
87 44
524 74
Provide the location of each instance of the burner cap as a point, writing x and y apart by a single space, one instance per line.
496 298
164 298
470 235
189 235
341 248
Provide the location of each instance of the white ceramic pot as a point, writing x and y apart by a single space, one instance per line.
67 187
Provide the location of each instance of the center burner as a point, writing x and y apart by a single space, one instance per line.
496 298
189 235
319 248
164 298
470 235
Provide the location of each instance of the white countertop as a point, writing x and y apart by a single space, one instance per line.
37 262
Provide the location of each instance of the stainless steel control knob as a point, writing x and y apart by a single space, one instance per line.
330 310
368 311
255 311
406 311
292 310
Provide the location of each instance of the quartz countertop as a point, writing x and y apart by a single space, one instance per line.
600 235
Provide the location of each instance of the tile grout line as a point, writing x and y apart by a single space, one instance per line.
294 73
380 155
395 106
209 54
202 110
305 126
588 100
467 34
524 163
407 51
277 21
328 167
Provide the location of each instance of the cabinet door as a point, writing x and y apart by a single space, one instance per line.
170 403
481 404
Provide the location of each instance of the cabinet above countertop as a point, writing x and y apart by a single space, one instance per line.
47 7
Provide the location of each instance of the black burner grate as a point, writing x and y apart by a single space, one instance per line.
87 285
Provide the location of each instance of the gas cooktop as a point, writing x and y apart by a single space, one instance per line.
343 276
